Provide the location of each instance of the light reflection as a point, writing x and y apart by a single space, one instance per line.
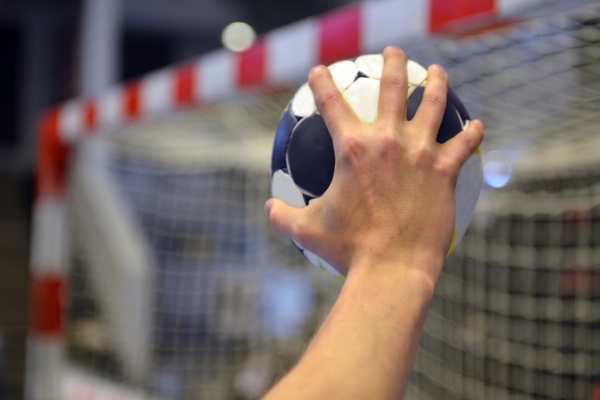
497 170
238 36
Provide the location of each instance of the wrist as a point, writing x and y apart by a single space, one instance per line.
420 276
422 266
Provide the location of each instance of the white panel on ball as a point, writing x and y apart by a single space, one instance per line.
284 188
363 97
468 187
303 103
370 65
416 73
343 73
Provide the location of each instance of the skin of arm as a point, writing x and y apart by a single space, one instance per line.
386 221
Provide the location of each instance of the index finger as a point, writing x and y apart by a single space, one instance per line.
334 109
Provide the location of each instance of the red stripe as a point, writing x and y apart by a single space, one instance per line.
444 12
52 157
46 305
185 84
339 36
131 99
251 65
596 393
90 117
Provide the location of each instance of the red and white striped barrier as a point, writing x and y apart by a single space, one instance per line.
283 56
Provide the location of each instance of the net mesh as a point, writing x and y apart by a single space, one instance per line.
225 307
516 313
232 305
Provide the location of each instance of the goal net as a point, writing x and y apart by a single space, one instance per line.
178 284
517 309
178 289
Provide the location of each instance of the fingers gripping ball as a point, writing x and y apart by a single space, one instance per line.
303 156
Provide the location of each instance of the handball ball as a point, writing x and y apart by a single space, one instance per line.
303 157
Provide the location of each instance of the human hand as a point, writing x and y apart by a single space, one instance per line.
391 202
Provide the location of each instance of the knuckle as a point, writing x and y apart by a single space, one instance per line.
299 231
471 141
446 168
422 155
393 81
388 142
435 100
352 149
469 146
327 99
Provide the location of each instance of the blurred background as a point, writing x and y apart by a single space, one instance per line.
43 51
175 286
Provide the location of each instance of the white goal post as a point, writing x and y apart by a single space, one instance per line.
279 61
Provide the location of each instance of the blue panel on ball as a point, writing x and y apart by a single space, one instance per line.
412 104
311 158
451 124
282 137
458 104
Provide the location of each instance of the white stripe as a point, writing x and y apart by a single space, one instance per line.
219 73
70 121
48 249
388 22
43 368
157 92
110 105
512 7
120 265
292 52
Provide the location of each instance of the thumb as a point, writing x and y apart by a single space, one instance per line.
284 218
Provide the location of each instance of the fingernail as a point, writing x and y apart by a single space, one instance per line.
438 67
268 206
478 122
317 69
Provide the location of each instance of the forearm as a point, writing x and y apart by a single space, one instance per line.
366 347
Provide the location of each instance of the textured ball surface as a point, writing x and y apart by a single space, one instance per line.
303 156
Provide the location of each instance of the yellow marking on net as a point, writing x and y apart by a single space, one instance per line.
452 245
478 151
